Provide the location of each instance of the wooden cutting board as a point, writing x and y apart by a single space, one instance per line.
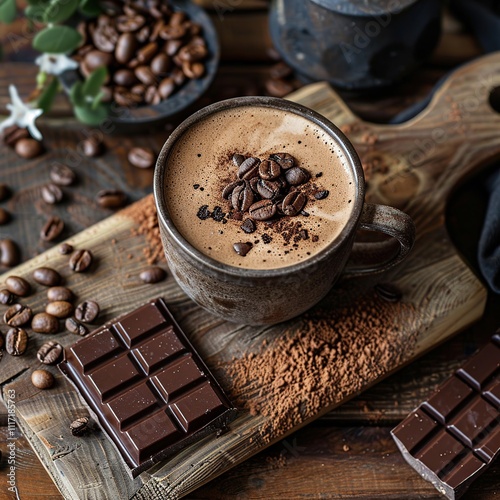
413 166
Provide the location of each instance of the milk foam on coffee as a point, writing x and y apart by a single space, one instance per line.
199 165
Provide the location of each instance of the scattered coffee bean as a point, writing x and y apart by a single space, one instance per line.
141 157
153 274
42 379
17 315
388 292
284 160
65 248
278 87
52 228
269 170
62 175
249 168
50 353
111 198
293 203
248 226
92 147
16 341
52 194
44 323
74 326
79 426
59 293
12 134
47 276
4 216
87 311
242 248
28 148
10 255
296 176
7 297
280 70
4 192
321 195
59 309
17 285
238 159
262 210
80 260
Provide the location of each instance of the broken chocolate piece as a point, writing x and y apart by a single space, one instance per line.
452 438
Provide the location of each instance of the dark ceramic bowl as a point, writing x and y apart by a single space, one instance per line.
130 120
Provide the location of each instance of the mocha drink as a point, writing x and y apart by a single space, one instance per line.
200 167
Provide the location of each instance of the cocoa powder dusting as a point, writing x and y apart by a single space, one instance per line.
326 358
144 214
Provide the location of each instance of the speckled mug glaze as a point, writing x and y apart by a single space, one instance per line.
258 297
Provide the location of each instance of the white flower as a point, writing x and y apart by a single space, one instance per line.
22 115
55 64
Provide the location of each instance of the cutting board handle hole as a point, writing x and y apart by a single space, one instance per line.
494 99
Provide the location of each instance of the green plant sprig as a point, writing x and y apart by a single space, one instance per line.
56 38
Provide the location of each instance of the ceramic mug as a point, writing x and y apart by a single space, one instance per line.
258 297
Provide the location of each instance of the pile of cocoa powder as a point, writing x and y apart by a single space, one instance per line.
324 358
144 214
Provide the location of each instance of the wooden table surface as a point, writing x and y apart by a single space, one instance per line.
348 453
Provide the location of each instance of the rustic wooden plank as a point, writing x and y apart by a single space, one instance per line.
26 466
434 281
334 463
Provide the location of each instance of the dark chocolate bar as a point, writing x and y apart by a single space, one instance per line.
454 436
146 385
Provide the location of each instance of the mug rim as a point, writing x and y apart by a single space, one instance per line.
216 266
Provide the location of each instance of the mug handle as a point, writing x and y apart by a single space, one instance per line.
368 258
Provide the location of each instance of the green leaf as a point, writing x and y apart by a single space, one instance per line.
91 116
97 100
90 8
7 11
60 10
95 81
76 94
45 3
57 40
35 13
47 98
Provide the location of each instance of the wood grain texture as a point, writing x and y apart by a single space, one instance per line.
434 280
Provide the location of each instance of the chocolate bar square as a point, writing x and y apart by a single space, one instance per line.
146 385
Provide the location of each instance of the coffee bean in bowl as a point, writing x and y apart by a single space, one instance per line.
161 58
